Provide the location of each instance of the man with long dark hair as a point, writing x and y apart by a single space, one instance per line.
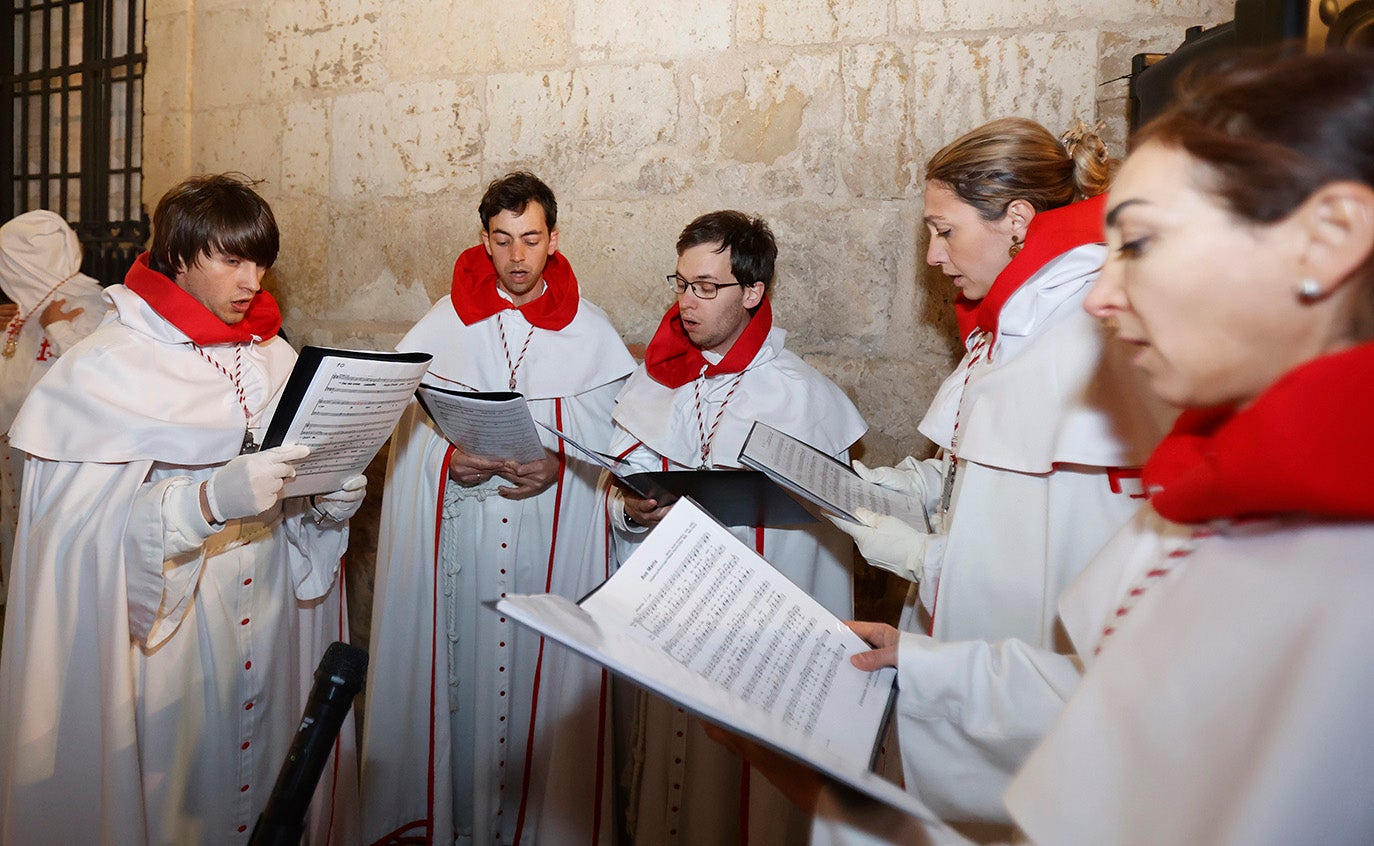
167 604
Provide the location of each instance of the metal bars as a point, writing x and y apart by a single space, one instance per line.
70 134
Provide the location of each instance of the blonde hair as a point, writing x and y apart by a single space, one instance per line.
1018 159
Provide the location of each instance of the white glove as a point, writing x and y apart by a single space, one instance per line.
250 484
887 542
905 480
345 502
919 481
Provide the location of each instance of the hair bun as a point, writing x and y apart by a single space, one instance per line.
1082 135
1093 165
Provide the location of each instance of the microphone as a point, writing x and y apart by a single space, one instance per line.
338 678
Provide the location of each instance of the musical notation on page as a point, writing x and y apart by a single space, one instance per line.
696 616
342 404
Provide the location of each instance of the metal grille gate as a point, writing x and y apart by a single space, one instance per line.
71 136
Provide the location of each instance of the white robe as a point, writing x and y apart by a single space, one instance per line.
476 727
38 250
1040 425
1249 725
155 669
685 788
1230 706
1043 428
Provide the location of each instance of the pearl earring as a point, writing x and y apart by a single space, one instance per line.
1309 289
1015 246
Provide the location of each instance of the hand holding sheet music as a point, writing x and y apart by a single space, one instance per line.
819 478
342 404
489 424
698 617
734 497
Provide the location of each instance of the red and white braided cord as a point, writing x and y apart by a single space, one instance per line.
1144 582
708 436
501 327
235 377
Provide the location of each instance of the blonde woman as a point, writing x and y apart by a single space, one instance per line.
1225 630
1041 430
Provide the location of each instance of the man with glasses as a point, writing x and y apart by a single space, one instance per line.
717 364
475 727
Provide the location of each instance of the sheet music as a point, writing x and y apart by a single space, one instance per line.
486 424
812 474
698 617
733 496
346 410
700 599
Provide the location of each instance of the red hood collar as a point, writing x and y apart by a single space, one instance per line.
673 360
475 297
185 312
1303 447
1050 234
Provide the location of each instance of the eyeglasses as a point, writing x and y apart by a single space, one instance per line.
703 290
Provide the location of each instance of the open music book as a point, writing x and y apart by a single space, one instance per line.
820 479
490 424
696 616
733 496
342 404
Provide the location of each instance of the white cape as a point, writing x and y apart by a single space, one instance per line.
685 788
152 679
476 728
40 260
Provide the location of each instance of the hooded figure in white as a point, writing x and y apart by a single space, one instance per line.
54 306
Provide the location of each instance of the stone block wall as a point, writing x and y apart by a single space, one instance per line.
376 123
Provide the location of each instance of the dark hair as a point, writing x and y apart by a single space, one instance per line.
1273 132
513 193
1270 130
1018 159
753 252
216 212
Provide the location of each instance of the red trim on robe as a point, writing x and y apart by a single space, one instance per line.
190 315
434 642
558 497
1118 476
604 698
474 295
539 662
606 525
403 834
672 359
